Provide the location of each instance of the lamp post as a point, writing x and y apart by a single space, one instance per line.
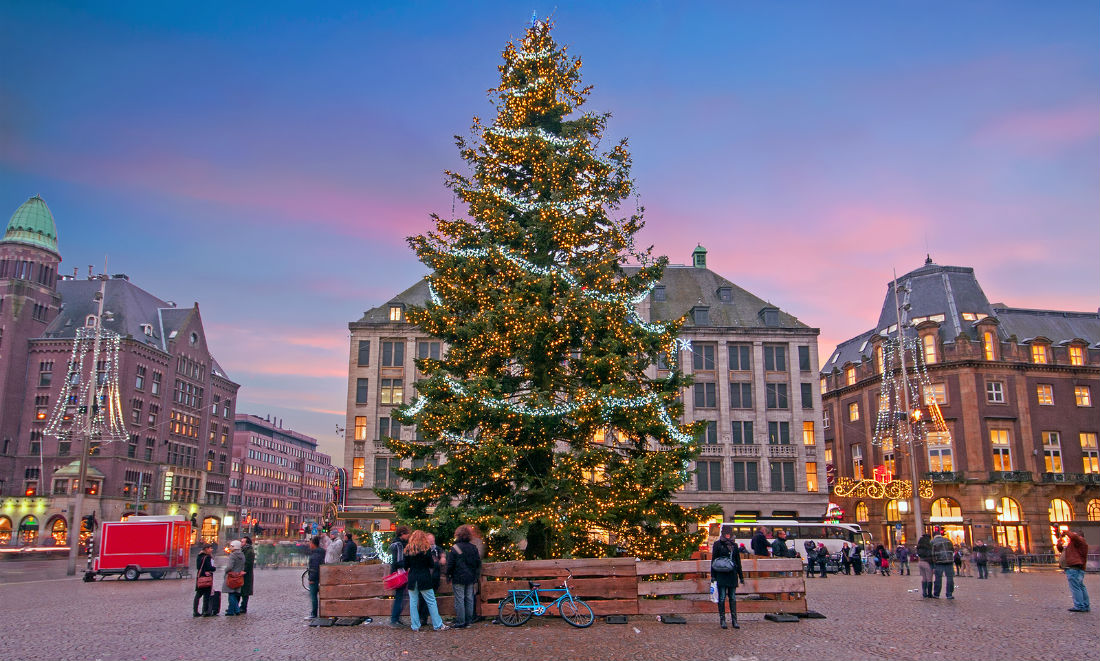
907 428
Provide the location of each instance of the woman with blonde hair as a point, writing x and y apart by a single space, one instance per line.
420 562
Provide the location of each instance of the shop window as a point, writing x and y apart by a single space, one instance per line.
59 532
946 508
1093 511
28 530
1009 510
862 516
892 513
210 529
1060 511
5 531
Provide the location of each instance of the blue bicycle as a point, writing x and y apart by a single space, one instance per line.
518 607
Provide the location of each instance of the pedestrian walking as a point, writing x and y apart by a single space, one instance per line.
349 550
846 559
943 563
204 580
249 571
421 562
1075 553
759 542
981 558
397 561
811 557
463 569
725 571
882 559
902 555
1006 560
233 570
924 564
313 572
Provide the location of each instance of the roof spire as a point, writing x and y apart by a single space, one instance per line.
928 259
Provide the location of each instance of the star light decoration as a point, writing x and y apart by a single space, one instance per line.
78 393
906 383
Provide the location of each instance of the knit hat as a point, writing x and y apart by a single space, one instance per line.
235 545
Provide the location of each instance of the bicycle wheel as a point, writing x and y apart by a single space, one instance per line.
577 613
305 580
509 615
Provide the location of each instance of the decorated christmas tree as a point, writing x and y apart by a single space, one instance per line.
540 424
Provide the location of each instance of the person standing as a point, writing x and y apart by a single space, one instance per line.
235 566
463 568
335 548
1076 552
350 549
204 568
902 554
313 573
981 559
857 559
943 564
846 559
823 559
397 561
725 578
924 564
421 563
759 542
811 557
249 571
779 545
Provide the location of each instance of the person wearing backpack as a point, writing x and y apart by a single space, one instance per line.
943 563
463 567
725 571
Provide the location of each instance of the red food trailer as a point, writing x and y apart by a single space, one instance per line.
154 545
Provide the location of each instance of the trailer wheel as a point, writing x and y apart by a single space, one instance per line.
157 575
131 574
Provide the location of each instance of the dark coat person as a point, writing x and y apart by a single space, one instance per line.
348 554
759 542
249 552
727 580
313 572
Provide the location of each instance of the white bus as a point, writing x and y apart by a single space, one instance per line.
832 535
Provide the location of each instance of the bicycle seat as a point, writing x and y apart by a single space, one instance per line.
534 586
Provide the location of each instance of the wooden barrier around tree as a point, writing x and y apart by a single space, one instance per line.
611 586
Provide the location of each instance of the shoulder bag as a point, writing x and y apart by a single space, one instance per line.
234 580
722 565
396 580
204 581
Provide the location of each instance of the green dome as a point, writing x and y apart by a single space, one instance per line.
32 224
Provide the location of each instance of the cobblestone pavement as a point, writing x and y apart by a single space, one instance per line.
1015 616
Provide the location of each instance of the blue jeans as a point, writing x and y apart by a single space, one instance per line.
313 588
464 603
398 604
414 608
1076 579
234 604
940 569
983 570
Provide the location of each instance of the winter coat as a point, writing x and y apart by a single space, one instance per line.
779 548
334 551
924 548
980 554
316 559
902 554
236 563
724 548
759 544
204 566
1077 551
348 554
249 569
463 564
397 556
421 566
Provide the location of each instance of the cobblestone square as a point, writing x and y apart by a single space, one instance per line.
46 615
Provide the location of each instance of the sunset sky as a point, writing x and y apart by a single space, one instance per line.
268 159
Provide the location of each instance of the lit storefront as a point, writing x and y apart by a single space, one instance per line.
28 530
210 528
1009 528
58 530
5 531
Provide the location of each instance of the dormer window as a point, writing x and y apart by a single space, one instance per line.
659 293
725 294
397 313
89 322
700 315
147 329
1039 354
770 317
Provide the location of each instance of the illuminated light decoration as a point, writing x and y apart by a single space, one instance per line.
539 133
834 513
536 55
102 397
846 487
890 424
378 541
582 203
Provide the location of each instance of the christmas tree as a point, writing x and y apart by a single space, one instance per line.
540 424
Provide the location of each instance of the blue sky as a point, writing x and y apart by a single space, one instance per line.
267 160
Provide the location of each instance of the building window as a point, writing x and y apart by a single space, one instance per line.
988 346
741 395
742 432
803 358
384 477
779 433
391 392
807 395
824 385
775 395
360 427
1076 355
862 515
396 313
428 350
808 436
850 376
1045 394
363 359
393 354
389 428
994 392
1002 452
811 476
1052 452
857 462
708 475
705 397
155 387
746 476
935 393
45 373
930 355
1083 395
828 454
826 419
939 459
659 293
702 357
782 475
709 435
853 412
739 358
1089 452
1039 354
361 390
700 316
775 357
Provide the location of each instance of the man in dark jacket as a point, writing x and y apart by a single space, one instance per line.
1076 552
727 580
779 545
397 561
943 564
463 567
249 571
349 551
759 542
316 559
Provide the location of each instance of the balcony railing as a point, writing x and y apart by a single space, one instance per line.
1010 476
711 450
944 477
1072 478
1057 477
745 450
782 451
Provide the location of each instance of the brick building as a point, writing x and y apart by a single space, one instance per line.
178 403
755 384
1017 390
279 480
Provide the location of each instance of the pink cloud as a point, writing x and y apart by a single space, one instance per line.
274 351
1052 128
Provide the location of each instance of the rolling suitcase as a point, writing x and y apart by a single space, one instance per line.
213 603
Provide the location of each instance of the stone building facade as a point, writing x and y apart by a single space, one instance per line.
178 403
1017 391
754 367
279 481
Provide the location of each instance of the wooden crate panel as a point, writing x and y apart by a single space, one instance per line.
661 588
619 587
375 607
344 574
660 606
559 568
651 567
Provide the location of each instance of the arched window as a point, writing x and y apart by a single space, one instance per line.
5 531
1010 510
59 531
1093 511
1060 511
861 512
210 530
892 511
28 530
946 507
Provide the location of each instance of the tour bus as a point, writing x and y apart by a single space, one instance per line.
832 535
